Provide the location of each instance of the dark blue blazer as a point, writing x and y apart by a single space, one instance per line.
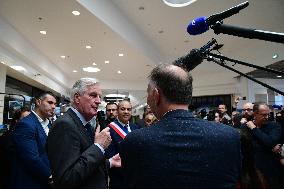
117 179
30 165
116 139
183 152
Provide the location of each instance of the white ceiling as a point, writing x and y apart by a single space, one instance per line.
147 32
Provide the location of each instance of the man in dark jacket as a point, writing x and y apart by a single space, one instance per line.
76 154
179 151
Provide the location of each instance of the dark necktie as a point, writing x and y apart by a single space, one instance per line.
88 127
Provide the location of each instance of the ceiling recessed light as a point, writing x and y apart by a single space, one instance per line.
279 76
106 61
91 69
76 13
75 71
18 68
178 3
119 72
88 47
62 56
94 64
120 54
275 56
42 32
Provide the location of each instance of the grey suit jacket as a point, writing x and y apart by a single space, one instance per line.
75 161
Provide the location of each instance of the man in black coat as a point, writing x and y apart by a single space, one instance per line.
76 154
179 151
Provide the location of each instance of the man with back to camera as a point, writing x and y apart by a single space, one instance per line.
76 154
30 164
119 128
265 136
179 151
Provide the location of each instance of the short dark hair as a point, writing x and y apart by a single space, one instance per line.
177 88
124 100
43 94
111 103
256 106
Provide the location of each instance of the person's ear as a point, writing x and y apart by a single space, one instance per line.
157 96
38 102
77 98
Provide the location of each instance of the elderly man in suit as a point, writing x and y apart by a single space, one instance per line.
30 165
179 151
76 154
119 128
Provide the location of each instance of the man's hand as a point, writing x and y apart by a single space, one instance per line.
277 149
115 161
103 138
251 125
244 120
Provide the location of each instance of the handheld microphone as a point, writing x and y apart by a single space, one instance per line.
194 57
201 24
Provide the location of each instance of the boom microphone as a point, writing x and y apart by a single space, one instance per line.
201 24
195 56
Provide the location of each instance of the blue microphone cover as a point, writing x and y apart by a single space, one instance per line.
197 26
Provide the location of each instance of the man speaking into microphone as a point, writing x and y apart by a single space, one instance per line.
179 151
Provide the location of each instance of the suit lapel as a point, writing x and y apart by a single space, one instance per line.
41 131
79 125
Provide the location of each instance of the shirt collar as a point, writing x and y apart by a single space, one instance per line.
83 120
42 122
124 125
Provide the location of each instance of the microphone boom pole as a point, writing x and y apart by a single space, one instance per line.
221 63
248 33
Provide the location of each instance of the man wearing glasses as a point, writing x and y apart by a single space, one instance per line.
247 112
265 135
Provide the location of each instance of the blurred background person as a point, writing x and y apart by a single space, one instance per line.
150 119
140 122
265 136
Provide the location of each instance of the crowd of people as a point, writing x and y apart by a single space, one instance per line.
169 147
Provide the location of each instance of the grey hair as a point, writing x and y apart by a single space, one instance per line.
81 86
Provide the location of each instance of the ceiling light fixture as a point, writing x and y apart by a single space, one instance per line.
119 72
275 56
18 68
76 13
94 64
120 54
62 56
88 47
42 32
2 62
75 71
279 76
91 69
178 3
106 61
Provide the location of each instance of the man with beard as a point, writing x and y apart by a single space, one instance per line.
247 112
119 128
265 136
111 112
